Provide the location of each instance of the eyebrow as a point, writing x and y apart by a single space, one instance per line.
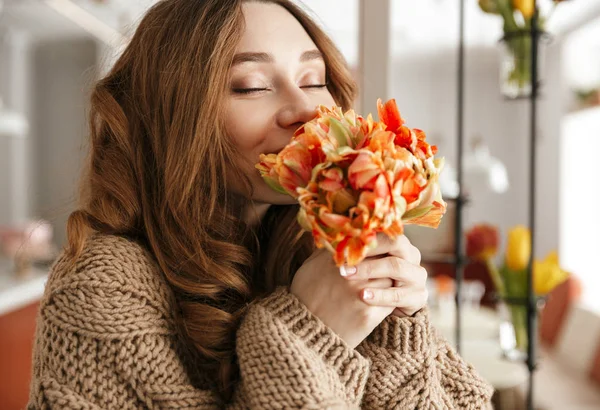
268 58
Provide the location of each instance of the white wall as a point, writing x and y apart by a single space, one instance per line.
425 87
580 196
580 169
46 81
62 74
15 70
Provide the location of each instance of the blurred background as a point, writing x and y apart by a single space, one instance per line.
52 51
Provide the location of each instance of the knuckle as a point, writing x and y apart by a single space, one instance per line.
425 295
367 268
403 242
396 297
424 274
395 264
417 254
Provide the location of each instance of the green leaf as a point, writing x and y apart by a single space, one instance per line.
416 213
303 220
515 282
275 186
340 132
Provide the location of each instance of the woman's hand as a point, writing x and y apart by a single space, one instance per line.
399 261
338 301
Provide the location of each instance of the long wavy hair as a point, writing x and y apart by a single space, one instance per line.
156 173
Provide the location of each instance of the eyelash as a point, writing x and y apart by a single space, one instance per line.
254 90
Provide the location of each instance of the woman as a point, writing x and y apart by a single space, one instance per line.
187 282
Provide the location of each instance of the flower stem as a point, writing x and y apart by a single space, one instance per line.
495 275
519 321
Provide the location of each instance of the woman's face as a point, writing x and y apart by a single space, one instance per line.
276 82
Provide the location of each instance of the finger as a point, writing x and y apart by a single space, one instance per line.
405 299
383 283
388 267
416 278
415 254
400 247
385 244
403 248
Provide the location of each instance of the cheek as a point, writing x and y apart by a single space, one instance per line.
247 130
324 99
247 127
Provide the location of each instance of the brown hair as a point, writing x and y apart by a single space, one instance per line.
154 119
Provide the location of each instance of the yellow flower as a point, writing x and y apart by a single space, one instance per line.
526 7
518 248
547 274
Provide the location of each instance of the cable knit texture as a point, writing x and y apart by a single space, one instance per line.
414 368
106 339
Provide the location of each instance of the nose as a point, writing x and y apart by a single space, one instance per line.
296 110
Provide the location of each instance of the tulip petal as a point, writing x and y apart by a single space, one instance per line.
432 218
332 220
389 114
482 242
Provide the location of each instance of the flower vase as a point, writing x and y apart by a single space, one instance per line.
516 63
513 327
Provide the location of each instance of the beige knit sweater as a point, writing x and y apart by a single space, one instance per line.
106 339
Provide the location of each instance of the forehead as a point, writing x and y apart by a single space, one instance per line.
270 27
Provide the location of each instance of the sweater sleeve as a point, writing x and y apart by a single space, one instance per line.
290 359
105 341
414 368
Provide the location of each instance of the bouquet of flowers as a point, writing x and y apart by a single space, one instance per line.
355 177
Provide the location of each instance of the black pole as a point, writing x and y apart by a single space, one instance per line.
458 260
531 299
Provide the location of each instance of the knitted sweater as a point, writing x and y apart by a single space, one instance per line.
106 338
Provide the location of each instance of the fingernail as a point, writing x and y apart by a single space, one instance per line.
367 294
347 270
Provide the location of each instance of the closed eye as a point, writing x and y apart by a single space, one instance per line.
258 90
315 86
248 90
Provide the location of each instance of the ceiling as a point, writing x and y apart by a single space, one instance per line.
424 25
